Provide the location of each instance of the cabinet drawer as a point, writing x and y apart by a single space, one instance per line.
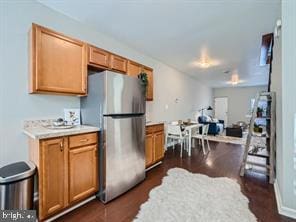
149 129
118 63
157 128
82 139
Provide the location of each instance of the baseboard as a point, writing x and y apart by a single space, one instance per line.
155 165
36 196
285 211
70 209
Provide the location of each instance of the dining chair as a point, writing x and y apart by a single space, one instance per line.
203 137
175 133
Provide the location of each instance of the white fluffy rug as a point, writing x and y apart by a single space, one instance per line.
188 197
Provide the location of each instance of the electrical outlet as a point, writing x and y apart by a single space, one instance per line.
294 159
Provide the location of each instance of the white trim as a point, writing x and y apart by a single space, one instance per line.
70 209
286 211
158 163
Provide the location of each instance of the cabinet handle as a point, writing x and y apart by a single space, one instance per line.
61 146
83 140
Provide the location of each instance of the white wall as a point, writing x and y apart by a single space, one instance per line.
239 100
16 104
287 150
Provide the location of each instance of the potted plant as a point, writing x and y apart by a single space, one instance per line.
257 128
143 79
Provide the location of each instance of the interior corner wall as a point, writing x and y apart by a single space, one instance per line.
276 86
176 95
239 100
288 164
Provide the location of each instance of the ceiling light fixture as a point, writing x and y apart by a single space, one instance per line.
205 61
235 80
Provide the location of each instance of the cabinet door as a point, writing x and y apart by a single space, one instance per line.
118 63
158 145
133 68
149 92
58 63
83 176
98 57
53 176
149 149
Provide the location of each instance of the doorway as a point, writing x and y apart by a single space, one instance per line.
221 109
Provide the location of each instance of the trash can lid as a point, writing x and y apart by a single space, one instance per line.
16 171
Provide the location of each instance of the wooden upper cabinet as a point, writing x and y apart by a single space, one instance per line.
98 57
133 68
118 63
149 90
52 174
58 63
83 172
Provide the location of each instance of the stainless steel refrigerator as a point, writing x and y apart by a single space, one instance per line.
116 104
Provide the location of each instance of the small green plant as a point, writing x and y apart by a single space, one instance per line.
143 78
257 128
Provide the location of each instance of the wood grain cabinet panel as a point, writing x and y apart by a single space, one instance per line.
83 172
58 63
53 171
154 144
158 145
118 63
98 57
83 139
65 176
149 90
149 149
133 68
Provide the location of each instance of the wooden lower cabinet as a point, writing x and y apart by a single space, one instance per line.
149 149
154 144
65 175
82 172
52 171
158 145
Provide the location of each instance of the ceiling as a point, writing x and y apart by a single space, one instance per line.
179 32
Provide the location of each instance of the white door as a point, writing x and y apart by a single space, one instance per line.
221 109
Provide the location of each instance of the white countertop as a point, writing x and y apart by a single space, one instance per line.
37 131
151 123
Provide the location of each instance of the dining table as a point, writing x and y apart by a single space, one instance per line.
189 127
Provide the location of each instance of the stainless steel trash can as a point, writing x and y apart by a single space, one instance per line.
17 186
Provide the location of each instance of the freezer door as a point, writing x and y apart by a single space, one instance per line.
124 94
124 155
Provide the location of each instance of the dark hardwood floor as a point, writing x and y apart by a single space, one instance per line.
223 161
